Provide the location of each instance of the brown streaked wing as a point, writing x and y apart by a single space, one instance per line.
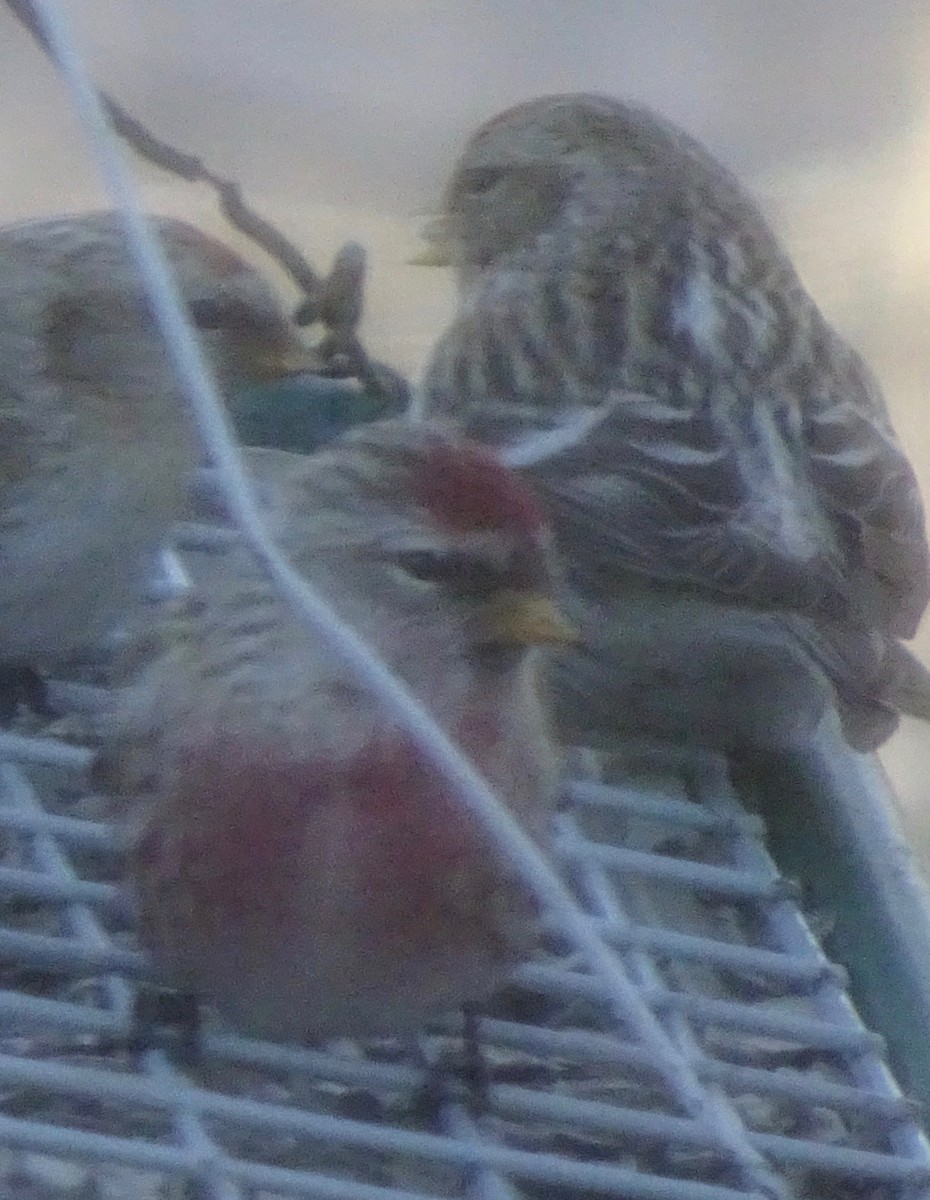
665 494
872 493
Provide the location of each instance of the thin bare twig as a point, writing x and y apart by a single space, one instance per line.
336 302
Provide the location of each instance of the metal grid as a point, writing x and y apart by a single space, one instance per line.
732 1066
725 1062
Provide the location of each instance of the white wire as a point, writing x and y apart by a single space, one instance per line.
211 418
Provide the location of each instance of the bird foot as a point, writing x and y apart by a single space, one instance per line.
167 1020
22 685
445 1081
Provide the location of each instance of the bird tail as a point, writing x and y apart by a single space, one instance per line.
875 678
909 683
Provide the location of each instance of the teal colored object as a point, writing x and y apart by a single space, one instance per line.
832 823
303 412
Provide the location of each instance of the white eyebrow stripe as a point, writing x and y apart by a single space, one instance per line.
565 436
171 579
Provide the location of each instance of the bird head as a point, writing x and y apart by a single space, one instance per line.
73 279
548 163
239 319
416 522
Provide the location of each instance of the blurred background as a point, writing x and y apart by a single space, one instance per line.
341 119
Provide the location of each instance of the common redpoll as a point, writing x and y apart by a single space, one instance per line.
743 533
302 864
95 438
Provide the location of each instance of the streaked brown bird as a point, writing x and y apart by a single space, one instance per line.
744 535
302 864
95 437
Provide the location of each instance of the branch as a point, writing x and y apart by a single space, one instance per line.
336 302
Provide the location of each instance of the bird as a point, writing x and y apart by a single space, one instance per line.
294 857
743 535
95 437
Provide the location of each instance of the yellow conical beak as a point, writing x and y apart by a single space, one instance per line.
527 619
433 255
275 360
438 250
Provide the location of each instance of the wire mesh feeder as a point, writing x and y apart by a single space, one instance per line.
724 1062
795 1098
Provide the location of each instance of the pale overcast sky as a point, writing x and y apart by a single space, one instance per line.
340 120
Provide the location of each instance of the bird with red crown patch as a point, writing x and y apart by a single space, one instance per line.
302 864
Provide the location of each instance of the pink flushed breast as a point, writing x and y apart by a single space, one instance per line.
465 488
383 833
230 833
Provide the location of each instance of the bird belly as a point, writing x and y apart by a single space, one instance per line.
308 899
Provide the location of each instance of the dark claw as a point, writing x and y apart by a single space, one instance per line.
430 1097
168 1020
474 1065
22 685
438 1087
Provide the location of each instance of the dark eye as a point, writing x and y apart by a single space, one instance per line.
423 565
474 181
63 321
220 314
461 573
